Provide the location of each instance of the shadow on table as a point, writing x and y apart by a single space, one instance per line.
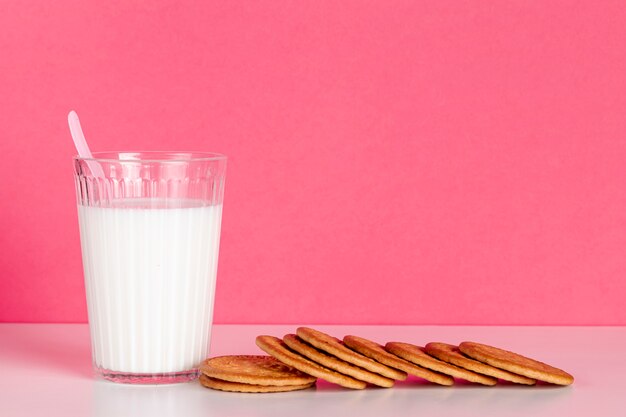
55 347
413 397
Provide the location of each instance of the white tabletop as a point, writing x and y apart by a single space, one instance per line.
46 370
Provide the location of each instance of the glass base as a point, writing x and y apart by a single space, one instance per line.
147 379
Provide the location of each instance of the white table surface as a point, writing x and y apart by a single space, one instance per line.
46 370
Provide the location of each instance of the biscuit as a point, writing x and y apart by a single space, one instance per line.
450 353
277 348
295 343
333 346
417 355
377 352
258 370
515 363
222 385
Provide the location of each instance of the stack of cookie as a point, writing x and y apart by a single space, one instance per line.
252 374
298 359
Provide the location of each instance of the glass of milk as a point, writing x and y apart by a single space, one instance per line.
150 232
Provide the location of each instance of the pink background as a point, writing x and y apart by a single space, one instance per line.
389 161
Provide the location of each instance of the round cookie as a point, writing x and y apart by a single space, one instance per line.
251 369
516 363
377 352
450 353
333 346
239 387
277 348
417 355
295 343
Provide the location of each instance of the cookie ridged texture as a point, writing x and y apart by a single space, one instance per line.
222 385
516 363
254 369
329 361
334 346
377 352
451 354
278 349
418 356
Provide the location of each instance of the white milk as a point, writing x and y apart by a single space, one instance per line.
150 269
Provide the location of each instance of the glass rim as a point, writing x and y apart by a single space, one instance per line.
153 156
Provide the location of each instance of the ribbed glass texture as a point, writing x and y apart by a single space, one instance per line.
150 227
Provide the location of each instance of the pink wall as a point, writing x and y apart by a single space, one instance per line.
390 161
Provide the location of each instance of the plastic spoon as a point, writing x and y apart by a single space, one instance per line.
81 144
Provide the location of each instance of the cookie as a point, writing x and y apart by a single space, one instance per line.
515 363
222 385
378 353
417 355
329 361
277 348
333 346
258 370
450 353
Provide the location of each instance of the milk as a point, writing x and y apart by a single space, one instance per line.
150 269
